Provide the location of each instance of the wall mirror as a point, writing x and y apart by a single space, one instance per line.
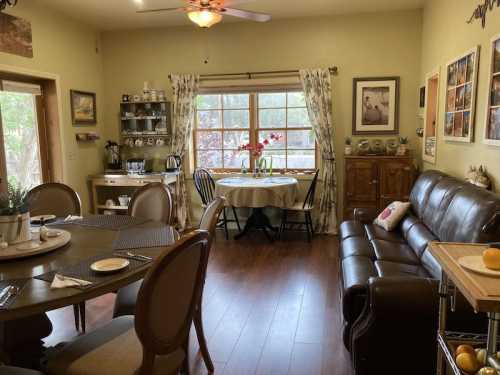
431 116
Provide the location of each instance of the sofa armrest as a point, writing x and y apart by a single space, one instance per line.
365 215
402 295
400 317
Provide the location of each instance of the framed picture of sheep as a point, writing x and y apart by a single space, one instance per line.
375 106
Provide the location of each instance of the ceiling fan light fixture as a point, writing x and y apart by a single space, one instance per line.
204 18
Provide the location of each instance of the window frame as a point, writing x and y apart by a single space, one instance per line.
253 129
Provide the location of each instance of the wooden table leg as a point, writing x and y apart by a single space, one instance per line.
258 220
443 311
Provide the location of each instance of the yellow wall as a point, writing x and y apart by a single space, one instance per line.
385 44
64 47
446 36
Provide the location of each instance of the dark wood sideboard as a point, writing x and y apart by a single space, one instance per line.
376 181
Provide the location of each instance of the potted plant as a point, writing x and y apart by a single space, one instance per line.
403 146
14 215
348 146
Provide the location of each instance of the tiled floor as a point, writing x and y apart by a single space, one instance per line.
268 308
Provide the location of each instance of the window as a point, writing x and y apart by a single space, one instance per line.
226 121
21 152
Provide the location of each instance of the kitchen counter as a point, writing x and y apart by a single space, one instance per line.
110 185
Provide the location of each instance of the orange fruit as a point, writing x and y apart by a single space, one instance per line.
467 362
464 349
491 258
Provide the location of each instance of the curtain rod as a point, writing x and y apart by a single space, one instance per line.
249 75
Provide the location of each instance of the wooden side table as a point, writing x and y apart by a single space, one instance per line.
482 293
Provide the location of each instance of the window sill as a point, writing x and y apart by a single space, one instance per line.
298 176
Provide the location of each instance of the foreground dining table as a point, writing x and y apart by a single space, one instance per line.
36 296
258 193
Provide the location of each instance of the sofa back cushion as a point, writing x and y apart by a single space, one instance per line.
451 210
422 189
469 212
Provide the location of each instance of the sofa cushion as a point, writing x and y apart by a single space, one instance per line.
394 252
470 209
375 232
392 269
439 200
356 246
351 228
418 238
407 222
422 189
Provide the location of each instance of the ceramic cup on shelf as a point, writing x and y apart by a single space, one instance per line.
139 142
124 200
150 142
160 142
110 203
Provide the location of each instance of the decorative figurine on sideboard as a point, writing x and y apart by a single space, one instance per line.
403 147
348 146
391 146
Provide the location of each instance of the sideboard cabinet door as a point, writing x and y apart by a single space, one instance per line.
360 190
396 181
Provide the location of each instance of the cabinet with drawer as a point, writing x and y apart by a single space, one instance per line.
375 181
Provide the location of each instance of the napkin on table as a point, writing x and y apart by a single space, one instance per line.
61 281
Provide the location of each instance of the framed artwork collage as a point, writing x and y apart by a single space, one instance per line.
492 128
460 102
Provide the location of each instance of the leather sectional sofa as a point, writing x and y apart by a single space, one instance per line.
390 279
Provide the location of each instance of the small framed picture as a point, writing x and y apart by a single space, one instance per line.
375 106
422 97
83 108
492 128
461 97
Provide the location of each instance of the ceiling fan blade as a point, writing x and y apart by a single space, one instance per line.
230 3
162 10
254 16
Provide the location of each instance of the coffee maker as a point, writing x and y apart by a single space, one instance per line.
114 160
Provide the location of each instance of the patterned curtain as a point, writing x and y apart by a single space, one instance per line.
318 93
185 89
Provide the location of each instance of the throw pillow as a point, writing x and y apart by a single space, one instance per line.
392 215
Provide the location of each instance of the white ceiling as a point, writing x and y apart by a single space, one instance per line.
120 14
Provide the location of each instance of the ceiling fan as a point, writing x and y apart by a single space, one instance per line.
206 13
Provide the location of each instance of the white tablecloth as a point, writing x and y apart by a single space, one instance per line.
258 192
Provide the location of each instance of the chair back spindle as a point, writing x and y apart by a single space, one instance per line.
309 200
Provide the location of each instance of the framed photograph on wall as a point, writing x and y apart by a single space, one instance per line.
492 128
83 107
461 87
431 116
375 106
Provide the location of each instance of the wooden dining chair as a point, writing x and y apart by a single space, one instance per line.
155 341
305 208
126 298
208 222
205 186
154 202
58 199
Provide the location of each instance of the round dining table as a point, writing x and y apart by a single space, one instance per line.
37 296
258 193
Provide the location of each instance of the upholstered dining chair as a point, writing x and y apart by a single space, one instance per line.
156 340
58 199
205 186
126 298
154 202
305 208
8 370
54 198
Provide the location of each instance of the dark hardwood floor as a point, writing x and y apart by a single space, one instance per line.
268 308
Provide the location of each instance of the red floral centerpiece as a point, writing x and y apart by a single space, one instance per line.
257 150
